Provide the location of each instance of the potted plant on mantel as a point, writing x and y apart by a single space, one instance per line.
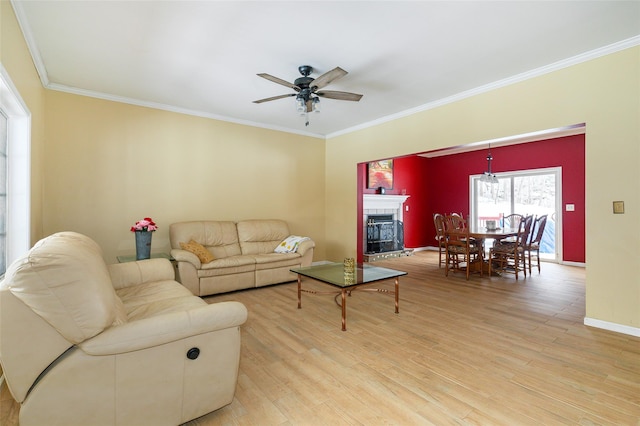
143 230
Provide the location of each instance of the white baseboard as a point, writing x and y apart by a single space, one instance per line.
578 264
612 326
422 248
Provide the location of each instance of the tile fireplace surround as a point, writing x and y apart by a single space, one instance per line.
378 204
383 204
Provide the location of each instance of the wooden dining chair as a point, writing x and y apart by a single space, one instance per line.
532 247
512 220
510 256
461 250
441 238
457 221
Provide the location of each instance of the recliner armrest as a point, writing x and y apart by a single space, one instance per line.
139 272
162 329
186 256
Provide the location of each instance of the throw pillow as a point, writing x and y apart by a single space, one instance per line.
199 250
290 244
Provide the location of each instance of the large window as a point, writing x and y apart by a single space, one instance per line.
528 192
15 173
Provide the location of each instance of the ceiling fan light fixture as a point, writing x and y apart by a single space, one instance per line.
307 96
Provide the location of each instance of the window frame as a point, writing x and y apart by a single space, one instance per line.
473 207
18 229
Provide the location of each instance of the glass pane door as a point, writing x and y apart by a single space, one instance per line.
531 192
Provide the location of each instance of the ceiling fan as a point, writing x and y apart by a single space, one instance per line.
308 89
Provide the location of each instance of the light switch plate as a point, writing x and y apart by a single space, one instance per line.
570 207
618 207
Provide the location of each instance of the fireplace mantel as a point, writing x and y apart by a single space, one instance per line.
382 202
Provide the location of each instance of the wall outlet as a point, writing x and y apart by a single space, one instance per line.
570 207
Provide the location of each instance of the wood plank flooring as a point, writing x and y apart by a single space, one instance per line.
488 351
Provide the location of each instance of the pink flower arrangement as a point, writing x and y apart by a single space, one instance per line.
145 225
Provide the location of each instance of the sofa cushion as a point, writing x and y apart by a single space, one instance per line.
199 250
156 298
120 313
228 265
219 237
261 236
64 279
276 260
230 262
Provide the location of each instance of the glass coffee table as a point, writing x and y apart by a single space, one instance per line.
347 280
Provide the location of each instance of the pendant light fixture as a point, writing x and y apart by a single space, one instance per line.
489 176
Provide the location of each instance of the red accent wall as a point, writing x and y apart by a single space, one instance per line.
441 184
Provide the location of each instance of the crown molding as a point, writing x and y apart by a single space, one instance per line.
171 108
31 43
537 72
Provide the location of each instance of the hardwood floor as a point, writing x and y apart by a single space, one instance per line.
488 351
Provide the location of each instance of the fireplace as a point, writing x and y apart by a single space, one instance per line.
383 234
383 227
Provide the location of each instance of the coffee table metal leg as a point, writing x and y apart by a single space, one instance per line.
299 291
344 310
397 292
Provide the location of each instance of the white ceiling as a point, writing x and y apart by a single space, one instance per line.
202 57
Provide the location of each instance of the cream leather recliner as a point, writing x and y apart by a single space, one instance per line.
83 343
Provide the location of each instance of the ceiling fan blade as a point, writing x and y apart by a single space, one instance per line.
328 77
279 81
309 105
343 96
273 98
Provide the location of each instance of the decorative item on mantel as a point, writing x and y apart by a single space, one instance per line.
143 230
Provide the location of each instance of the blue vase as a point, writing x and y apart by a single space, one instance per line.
143 245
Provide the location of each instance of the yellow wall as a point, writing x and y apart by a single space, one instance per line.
603 93
109 164
17 61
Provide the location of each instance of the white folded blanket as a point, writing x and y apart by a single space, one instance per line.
290 244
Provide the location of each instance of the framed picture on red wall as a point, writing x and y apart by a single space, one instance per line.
380 174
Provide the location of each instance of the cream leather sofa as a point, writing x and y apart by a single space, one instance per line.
83 343
243 255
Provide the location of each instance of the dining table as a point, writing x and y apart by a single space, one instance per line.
481 234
